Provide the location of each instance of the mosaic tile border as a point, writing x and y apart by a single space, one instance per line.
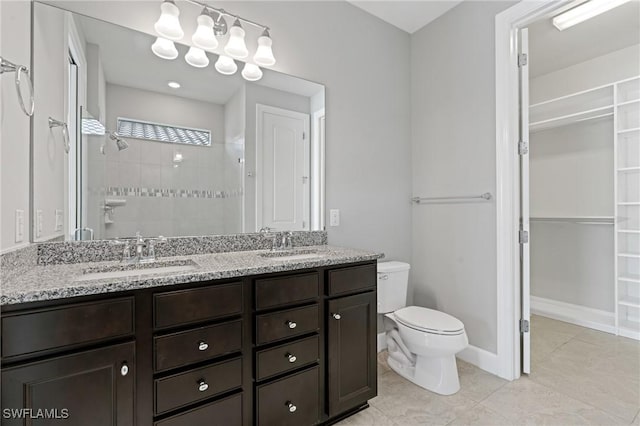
113 191
104 250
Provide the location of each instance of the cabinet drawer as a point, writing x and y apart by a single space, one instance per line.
194 385
280 359
198 304
352 279
282 324
292 401
187 347
70 325
225 412
281 291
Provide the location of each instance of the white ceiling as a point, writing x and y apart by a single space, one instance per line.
550 49
127 60
409 16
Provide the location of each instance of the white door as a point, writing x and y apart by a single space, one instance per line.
282 190
523 150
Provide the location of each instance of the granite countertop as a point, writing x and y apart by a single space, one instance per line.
48 282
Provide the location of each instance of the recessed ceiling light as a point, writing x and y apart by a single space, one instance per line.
174 84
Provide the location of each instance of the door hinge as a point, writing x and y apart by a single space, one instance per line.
523 148
522 60
524 326
523 237
304 135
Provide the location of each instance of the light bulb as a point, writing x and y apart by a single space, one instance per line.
196 57
236 47
164 48
225 65
168 25
264 54
204 37
251 72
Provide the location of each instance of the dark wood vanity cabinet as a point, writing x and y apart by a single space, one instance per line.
292 348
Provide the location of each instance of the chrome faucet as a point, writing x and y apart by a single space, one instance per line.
140 245
282 241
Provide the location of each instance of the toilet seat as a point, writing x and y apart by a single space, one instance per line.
429 321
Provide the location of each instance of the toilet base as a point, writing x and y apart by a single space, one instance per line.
435 374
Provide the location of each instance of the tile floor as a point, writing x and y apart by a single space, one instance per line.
579 377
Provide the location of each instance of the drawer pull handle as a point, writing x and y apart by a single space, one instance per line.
203 346
292 358
202 385
292 408
337 316
124 370
291 324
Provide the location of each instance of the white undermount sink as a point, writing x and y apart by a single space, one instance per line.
122 271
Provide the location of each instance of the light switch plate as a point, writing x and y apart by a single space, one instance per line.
59 219
334 217
19 226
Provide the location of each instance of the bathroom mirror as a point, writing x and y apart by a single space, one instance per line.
162 147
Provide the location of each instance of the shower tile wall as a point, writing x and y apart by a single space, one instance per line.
163 197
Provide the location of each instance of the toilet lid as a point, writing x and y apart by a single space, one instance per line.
429 320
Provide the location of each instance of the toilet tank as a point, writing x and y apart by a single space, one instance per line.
393 279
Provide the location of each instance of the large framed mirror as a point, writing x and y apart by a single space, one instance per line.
143 144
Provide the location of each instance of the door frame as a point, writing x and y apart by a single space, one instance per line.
260 110
507 24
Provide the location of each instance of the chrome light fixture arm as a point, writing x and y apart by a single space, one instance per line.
8 66
231 15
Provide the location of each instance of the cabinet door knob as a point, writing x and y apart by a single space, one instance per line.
203 346
292 408
336 316
124 369
202 385
292 358
291 324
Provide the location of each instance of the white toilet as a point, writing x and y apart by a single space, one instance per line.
422 343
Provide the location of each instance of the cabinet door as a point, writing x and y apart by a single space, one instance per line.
90 388
351 344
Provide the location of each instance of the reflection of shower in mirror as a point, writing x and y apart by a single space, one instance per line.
120 143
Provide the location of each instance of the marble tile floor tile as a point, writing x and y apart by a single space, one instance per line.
579 377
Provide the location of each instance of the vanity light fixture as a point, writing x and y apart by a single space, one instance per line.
204 37
264 54
173 84
236 47
226 65
584 12
164 49
251 72
196 57
168 25
211 24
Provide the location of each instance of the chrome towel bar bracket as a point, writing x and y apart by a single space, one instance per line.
8 66
65 132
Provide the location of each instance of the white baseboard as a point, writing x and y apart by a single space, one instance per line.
482 359
575 314
485 360
382 342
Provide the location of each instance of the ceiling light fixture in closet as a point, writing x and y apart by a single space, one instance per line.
212 23
584 12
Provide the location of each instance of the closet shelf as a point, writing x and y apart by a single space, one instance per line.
630 301
629 203
630 102
634 129
596 220
629 169
632 279
576 117
629 231
629 255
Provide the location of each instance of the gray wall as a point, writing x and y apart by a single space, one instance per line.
15 30
453 152
365 67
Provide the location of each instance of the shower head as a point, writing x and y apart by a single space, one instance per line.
120 143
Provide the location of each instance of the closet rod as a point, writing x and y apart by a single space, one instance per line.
423 200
